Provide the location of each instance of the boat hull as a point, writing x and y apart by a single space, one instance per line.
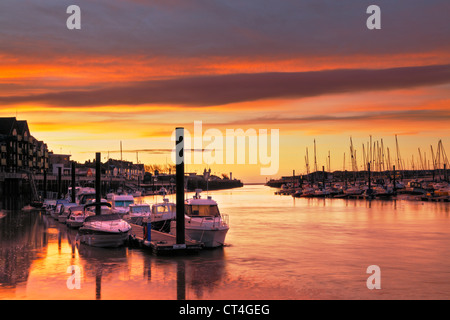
74 224
210 238
102 239
62 218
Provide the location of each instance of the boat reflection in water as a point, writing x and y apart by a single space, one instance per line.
279 248
106 229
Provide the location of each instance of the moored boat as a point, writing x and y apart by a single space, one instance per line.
120 203
76 216
106 229
204 222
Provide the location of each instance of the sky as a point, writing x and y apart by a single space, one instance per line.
312 70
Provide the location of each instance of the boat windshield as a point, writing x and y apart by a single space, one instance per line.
164 208
122 203
202 210
140 209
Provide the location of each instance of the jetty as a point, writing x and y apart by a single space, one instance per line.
161 243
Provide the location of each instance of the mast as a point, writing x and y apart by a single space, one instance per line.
315 157
399 163
307 161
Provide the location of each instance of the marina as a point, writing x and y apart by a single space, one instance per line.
178 151
277 248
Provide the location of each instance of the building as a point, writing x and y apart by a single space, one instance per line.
127 169
19 150
60 161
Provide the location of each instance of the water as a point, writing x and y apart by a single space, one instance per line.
278 247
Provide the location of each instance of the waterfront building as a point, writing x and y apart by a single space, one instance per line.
19 150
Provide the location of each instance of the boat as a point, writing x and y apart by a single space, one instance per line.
86 196
82 194
48 203
416 188
64 212
120 203
136 193
384 192
353 190
204 222
308 192
56 210
49 206
162 215
137 212
298 193
106 229
76 216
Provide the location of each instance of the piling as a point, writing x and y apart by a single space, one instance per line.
98 191
45 184
179 148
323 177
73 181
395 183
59 182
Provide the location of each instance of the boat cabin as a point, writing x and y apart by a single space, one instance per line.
201 208
139 209
123 201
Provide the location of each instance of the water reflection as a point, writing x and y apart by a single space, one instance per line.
277 248
32 242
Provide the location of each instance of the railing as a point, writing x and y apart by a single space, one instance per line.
220 221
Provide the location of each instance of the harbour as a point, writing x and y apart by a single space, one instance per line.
185 152
277 248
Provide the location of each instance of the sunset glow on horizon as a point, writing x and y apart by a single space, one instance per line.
136 70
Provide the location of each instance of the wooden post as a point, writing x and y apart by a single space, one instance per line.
59 183
45 184
323 177
98 187
179 149
395 183
73 182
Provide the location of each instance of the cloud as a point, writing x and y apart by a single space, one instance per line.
222 28
420 115
233 88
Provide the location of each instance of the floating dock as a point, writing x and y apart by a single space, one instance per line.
162 243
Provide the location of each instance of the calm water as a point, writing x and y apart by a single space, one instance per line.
278 247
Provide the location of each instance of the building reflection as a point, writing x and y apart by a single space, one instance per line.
22 236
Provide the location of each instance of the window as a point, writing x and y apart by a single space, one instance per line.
122 203
202 210
165 208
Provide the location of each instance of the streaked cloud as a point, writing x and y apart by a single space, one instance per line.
226 89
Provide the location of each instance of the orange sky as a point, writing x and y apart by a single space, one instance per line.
87 91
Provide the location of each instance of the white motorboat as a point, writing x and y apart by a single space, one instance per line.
76 217
353 191
204 222
64 212
137 212
120 203
107 229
